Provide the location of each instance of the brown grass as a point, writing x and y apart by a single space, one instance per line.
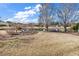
41 44
2 32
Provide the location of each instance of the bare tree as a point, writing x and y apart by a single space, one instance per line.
45 15
66 15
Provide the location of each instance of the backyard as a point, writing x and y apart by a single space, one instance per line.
39 29
40 44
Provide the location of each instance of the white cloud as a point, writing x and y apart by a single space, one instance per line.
27 7
37 7
25 16
30 12
20 15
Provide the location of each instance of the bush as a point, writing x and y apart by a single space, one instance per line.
76 27
1 25
18 28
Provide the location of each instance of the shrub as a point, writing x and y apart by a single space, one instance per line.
1 25
18 28
76 27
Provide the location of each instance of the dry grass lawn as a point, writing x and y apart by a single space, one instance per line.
2 32
41 44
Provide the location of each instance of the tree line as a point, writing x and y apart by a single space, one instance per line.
66 15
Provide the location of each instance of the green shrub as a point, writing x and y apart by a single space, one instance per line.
1 25
76 27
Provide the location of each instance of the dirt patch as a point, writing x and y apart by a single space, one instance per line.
3 32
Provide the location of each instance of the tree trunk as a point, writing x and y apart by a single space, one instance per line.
16 30
46 27
65 28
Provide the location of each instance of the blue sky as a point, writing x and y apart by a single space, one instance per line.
19 12
23 12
